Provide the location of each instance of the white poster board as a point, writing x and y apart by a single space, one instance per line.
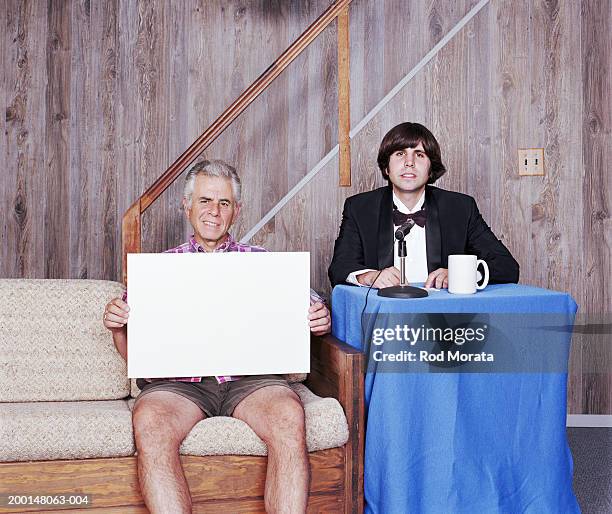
204 314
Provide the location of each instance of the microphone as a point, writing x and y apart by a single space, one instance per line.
403 290
404 230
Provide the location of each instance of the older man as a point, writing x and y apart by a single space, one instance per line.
167 409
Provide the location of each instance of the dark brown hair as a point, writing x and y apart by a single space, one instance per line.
409 135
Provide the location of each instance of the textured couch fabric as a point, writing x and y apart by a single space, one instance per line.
326 427
82 430
53 346
65 430
64 392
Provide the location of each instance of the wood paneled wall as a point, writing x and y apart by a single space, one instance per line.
101 96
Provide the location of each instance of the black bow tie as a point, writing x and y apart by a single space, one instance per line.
419 217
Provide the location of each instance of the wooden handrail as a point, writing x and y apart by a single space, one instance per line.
344 94
131 224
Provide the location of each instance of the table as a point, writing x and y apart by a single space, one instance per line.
473 442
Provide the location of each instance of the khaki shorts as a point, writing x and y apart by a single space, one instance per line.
214 399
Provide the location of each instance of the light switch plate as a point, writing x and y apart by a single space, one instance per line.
531 161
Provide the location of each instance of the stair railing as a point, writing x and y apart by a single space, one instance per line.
132 219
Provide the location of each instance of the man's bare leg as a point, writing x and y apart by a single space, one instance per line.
161 421
276 415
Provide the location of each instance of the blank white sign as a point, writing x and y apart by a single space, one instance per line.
204 314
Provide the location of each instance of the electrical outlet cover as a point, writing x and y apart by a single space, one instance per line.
531 161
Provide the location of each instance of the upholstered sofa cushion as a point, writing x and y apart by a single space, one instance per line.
56 356
326 427
53 345
65 430
81 430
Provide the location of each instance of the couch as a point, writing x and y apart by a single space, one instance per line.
65 416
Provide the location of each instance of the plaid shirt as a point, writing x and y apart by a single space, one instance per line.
229 245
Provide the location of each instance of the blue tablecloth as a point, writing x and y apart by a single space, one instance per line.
463 442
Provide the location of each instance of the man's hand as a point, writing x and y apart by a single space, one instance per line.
388 277
320 319
116 314
438 279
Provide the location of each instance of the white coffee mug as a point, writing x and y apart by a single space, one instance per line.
463 274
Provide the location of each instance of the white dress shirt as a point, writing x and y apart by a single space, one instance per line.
416 248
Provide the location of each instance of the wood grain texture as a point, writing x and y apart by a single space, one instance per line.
82 187
113 483
317 504
244 99
597 197
479 107
337 370
5 185
99 97
555 228
13 90
132 225
344 96
105 259
57 102
24 138
152 59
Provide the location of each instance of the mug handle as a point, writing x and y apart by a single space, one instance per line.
486 274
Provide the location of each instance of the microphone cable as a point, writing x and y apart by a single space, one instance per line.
363 342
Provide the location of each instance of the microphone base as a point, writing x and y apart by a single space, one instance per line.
403 292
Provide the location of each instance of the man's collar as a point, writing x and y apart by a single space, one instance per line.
402 208
223 247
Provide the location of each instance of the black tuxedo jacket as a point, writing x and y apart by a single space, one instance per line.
454 226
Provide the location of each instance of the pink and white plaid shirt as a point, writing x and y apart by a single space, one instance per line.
229 245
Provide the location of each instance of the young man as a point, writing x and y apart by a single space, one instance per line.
447 223
167 409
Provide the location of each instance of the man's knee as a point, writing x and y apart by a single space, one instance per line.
285 423
155 428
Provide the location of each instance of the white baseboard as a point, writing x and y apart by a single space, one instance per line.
589 420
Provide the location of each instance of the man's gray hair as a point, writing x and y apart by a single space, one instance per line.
212 168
